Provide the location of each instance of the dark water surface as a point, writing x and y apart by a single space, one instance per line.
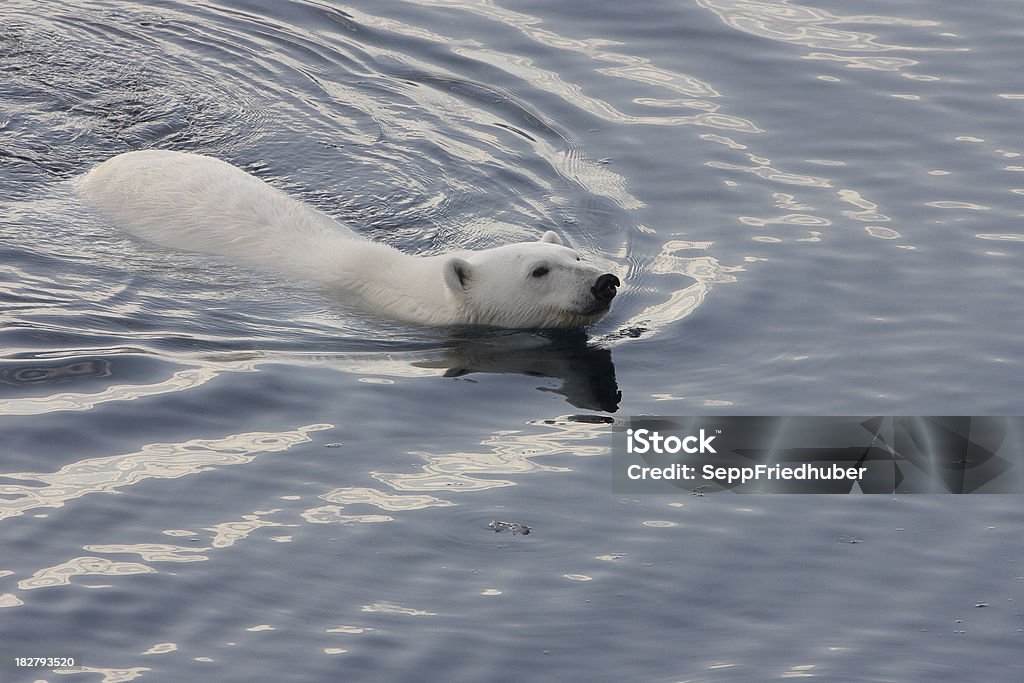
815 208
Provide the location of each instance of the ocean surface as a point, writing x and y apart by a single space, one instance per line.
214 473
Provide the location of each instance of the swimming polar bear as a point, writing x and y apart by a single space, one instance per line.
198 203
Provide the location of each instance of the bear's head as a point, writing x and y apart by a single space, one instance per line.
541 284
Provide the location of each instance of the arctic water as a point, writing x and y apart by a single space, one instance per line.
215 473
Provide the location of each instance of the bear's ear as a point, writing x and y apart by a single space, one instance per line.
551 238
457 274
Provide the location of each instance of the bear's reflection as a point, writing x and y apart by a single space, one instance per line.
586 370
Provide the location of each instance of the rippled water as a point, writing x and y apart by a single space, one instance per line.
816 209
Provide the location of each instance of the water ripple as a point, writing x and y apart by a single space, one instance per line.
805 25
61 574
164 460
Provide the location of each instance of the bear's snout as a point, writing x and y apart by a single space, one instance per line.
604 289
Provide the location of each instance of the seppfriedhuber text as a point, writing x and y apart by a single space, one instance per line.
742 475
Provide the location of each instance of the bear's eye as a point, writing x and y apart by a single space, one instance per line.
540 272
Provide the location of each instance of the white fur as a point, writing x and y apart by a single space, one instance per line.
197 203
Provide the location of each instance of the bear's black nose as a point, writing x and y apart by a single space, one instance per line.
604 289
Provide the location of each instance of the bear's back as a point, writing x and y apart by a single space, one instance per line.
199 203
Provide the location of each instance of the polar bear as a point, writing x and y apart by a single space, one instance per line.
198 203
